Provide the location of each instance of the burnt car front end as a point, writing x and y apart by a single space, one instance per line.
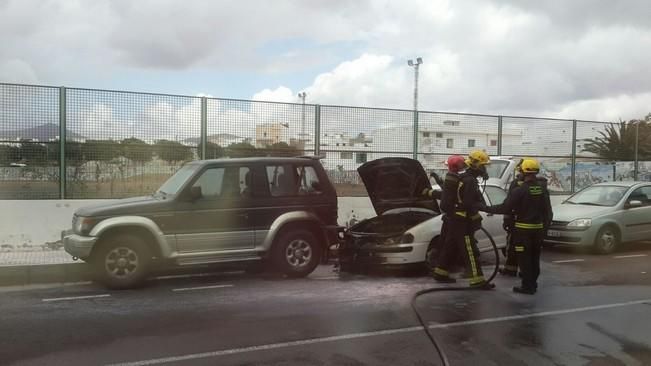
401 232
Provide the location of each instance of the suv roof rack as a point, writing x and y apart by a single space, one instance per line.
313 157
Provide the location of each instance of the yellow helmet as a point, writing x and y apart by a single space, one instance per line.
530 166
477 158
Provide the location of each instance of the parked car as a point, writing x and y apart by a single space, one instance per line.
603 216
279 210
407 227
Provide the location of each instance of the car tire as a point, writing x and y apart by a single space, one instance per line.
607 240
296 253
122 262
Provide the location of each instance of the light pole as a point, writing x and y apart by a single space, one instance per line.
302 95
637 132
415 65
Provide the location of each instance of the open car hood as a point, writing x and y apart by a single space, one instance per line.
396 183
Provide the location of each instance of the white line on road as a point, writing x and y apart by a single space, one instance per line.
326 278
569 261
194 356
75 298
200 288
629 256
538 315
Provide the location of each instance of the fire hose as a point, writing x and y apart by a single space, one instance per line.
436 345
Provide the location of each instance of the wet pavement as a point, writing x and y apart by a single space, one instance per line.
590 310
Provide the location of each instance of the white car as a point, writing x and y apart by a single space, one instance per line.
408 225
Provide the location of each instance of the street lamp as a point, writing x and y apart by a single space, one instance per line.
415 65
302 95
637 133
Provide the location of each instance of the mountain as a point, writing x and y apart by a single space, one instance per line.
46 132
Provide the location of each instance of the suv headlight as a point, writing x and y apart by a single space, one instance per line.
580 224
82 225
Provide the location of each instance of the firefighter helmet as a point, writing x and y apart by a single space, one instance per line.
477 158
455 163
530 166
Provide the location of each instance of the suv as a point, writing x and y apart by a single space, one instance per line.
281 211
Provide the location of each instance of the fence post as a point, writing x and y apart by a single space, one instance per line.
62 142
317 130
499 135
573 180
415 155
204 127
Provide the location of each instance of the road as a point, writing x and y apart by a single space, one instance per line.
590 310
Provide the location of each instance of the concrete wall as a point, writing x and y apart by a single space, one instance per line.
35 223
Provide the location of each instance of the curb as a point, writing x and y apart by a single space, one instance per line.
44 273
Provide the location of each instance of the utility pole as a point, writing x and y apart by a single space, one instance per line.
415 65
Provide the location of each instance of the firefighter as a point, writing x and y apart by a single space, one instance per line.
511 266
449 185
463 219
533 213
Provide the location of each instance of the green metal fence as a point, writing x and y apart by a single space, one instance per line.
74 143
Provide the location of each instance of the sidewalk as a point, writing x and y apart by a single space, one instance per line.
34 257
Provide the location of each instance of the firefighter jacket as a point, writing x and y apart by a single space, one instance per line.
449 194
469 200
530 205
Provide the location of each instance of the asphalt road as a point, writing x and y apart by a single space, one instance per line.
590 310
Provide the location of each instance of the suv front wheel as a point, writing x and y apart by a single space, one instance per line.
296 253
122 261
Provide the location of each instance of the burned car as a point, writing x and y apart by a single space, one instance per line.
408 225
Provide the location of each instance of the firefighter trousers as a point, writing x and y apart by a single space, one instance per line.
528 244
460 238
511 263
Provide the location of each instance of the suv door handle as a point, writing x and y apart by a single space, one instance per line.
244 216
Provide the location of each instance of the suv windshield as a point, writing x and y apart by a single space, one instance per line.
174 183
598 196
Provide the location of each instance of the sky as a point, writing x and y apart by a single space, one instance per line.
580 59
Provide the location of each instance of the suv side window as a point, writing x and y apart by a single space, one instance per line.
308 180
642 194
211 183
229 182
282 180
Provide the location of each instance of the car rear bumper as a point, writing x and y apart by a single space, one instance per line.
77 245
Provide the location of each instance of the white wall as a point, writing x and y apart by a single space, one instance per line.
38 222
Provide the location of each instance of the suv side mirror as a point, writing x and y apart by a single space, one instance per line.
195 193
634 203
316 186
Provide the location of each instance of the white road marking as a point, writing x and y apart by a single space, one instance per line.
569 261
191 275
200 288
630 256
538 315
75 298
327 278
265 347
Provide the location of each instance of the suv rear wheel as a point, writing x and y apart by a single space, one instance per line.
296 253
122 261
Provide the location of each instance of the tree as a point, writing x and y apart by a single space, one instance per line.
241 150
617 141
101 152
136 150
282 149
213 151
172 151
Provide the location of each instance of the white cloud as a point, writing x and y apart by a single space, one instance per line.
499 57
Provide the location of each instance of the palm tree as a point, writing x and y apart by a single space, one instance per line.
617 141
